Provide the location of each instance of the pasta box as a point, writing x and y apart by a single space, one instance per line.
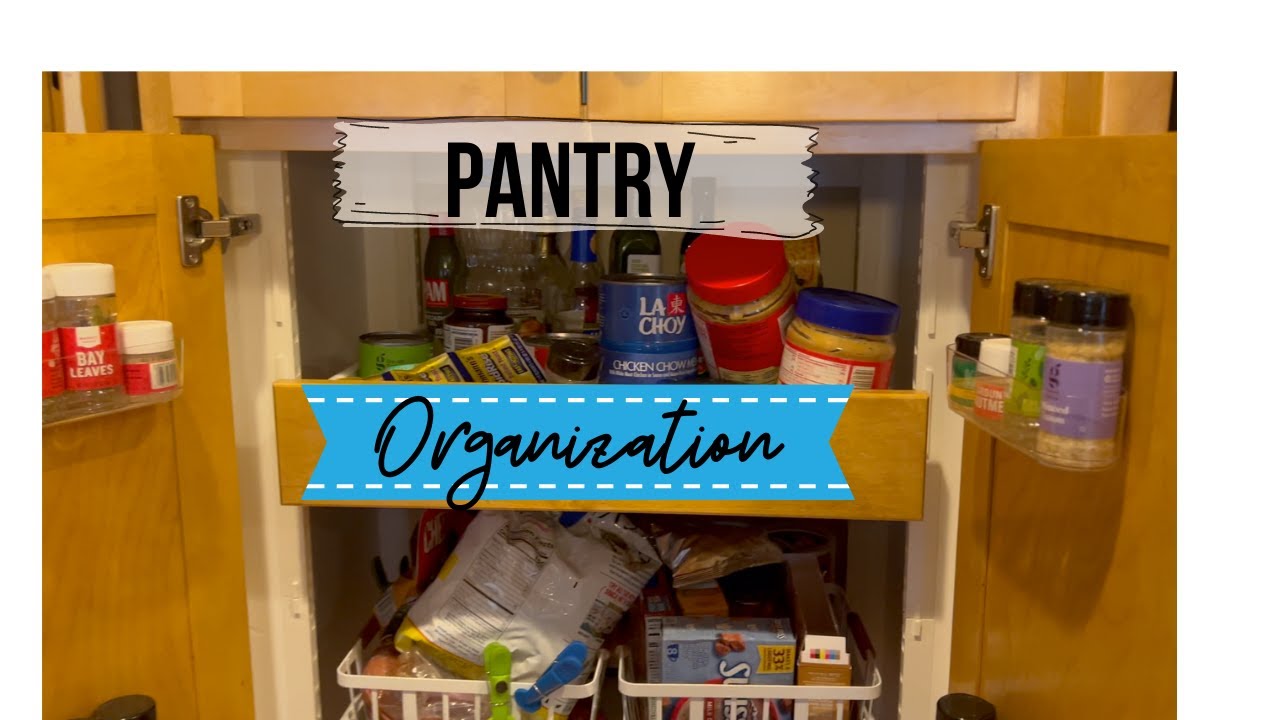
708 650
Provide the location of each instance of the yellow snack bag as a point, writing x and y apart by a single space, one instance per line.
504 360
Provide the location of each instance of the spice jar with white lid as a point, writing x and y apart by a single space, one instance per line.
1085 344
150 359
86 307
52 380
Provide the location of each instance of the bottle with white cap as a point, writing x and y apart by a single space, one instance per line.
86 307
52 380
150 362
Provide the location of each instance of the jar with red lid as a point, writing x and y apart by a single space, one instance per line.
742 293
476 319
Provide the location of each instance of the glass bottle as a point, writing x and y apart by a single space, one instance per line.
638 252
442 267
582 314
550 281
704 213
52 381
86 307
522 295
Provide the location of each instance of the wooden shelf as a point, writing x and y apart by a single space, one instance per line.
879 443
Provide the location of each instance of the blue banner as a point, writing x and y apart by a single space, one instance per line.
410 441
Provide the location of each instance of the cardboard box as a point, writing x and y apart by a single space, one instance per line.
705 650
823 658
705 599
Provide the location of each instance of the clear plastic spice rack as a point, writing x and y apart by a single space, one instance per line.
421 698
979 399
128 402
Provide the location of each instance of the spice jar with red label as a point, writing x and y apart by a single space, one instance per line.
86 307
743 294
52 380
150 361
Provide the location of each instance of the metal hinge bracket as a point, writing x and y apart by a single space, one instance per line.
198 229
980 237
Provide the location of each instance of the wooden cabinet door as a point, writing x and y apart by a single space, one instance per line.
803 96
143 580
372 94
1065 598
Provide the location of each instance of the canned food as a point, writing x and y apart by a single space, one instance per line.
646 331
540 345
655 365
641 311
382 350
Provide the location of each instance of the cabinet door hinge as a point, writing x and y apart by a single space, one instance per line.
980 237
198 229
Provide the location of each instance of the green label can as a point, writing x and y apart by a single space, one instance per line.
382 350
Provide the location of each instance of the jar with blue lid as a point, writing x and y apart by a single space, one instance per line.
840 337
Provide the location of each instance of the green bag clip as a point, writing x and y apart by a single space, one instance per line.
497 668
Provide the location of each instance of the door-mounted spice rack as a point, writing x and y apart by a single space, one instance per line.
1082 431
147 373
92 365
1054 387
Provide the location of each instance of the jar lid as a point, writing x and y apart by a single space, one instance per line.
128 707
82 279
49 294
734 271
848 311
1089 306
394 338
995 353
140 337
480 301
971 343
962 706
1032 296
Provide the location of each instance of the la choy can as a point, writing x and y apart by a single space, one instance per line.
646 330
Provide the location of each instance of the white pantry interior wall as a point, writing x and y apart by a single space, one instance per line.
262 339
944 275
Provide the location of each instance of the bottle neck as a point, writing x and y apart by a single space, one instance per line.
547 245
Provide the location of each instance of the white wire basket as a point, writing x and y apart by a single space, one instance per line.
644 701
445 693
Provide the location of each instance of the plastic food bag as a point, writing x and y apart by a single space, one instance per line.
698 551
525 580
430 705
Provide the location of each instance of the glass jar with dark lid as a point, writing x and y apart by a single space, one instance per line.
1089 308
476 319
1032 298
962 706
1085 345
574 361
